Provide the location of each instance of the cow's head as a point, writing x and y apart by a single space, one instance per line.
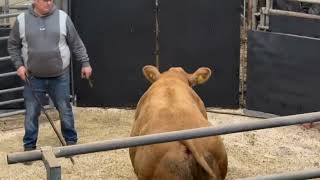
200 76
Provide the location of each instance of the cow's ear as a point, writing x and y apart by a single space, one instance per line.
151 73
200 76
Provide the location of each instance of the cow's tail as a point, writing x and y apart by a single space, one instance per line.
199 158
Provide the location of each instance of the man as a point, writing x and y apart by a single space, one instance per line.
40 45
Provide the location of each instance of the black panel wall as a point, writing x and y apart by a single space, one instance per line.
283 73
295 25
119 36
203 33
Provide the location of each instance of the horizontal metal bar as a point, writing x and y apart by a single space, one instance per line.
165 137
11 101
8 74
5 58
9 15
3 115
4 38
19 7
277 12
15 101
297 175
308 1
11 90
7 114
263 27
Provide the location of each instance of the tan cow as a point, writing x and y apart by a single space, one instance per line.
170 104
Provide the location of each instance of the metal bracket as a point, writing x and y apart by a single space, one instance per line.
51 163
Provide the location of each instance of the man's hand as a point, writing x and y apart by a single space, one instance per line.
22 72
86 72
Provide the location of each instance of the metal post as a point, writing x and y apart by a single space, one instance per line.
51 163
244 11
242 60
65 6
268 6
308 1
58 3
262 23
250 14
254 13
6 10
157 43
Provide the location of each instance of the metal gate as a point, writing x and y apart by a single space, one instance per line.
11 101
282 64
49 155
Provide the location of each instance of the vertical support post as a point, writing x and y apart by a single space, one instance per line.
249 14
51 163
65 6
262 23
157 44
6 10
253 15
245 10
58 3
268 7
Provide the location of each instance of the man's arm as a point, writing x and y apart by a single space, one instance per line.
78 49
76 45
14 50
14 46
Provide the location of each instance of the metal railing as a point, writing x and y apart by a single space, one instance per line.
17 112
6 58
8 15
4 38
11 90
308 1
20 157
2 103
18 7
268 10
8 74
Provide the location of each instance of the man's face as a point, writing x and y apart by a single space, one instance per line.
43 6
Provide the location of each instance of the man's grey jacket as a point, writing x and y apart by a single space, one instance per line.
42 43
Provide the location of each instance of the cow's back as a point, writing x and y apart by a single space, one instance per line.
171 105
